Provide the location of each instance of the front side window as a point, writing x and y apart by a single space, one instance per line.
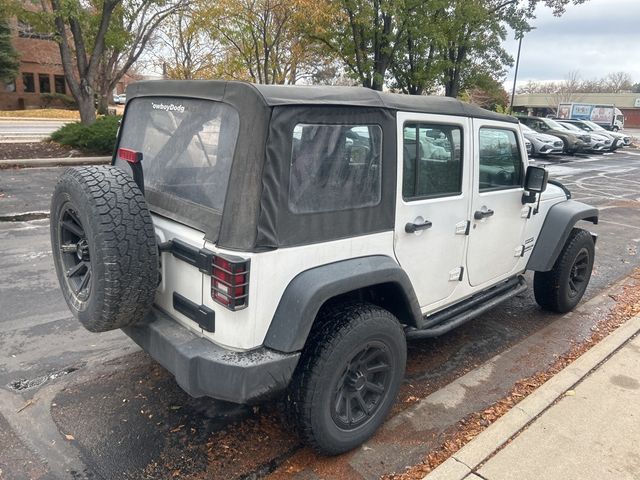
187 146
432 161
500 160
334 167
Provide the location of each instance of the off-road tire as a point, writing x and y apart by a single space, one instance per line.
346 335
100 212
553 289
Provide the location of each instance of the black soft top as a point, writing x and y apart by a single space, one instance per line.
278 95
256 212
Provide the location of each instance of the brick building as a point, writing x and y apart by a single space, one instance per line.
40 70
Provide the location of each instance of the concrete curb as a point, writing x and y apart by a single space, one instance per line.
466 460
54 162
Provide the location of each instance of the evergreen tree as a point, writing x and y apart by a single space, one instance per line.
9 63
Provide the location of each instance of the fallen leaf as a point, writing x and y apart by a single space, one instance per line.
30 402
69 437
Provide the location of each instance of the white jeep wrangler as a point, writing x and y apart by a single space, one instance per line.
255 239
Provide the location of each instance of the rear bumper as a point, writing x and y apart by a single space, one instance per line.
202 368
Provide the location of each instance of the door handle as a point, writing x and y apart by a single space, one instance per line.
480 214
414 227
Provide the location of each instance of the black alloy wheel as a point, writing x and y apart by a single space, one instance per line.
579 274
74 253
362 386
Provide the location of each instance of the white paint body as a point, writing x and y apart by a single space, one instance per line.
488 254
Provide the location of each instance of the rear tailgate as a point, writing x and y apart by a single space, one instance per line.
180 283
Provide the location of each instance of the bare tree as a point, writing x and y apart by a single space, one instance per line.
81 49
618 82
183 50
133 27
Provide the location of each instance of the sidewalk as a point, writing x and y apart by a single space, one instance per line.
583 423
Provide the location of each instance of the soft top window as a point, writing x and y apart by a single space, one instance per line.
187 146
334 167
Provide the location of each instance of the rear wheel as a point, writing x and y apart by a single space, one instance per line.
561 288
348 377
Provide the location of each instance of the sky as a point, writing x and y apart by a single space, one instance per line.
595 38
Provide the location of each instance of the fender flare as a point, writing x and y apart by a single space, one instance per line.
309 290
556 228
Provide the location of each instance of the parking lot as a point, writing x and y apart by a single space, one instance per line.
79 405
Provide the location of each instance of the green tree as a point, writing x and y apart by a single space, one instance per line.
264 41
366 36
9 59
475 31
417 45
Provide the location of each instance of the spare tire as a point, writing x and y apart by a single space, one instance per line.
104 247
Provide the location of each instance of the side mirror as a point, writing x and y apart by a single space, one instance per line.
535 181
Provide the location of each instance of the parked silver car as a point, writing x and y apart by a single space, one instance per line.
541 143
598 143
618 139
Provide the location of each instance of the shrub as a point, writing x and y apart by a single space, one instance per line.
100 137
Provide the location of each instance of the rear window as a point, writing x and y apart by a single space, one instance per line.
187 146
334 167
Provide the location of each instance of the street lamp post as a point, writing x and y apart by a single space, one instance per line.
515 75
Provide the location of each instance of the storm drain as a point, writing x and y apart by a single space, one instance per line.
27 384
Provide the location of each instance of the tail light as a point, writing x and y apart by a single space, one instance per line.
129 155
230 282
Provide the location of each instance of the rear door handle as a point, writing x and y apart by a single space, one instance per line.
480 214
414 227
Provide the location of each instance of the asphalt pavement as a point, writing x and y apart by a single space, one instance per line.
76 405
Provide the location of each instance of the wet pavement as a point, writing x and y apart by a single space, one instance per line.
80 405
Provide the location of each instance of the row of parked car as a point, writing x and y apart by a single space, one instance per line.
545 136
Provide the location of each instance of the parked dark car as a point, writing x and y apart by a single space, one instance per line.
573 143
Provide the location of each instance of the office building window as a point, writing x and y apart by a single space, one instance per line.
60 85
45 83
28 83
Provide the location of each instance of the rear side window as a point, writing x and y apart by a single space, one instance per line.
500 160
187 146
432 161
334 167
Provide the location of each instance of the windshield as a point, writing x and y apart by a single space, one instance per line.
571 126
593 126
553 124
187 146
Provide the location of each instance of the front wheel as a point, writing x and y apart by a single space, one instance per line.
348 377
561 288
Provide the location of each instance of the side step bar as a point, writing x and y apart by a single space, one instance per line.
452 317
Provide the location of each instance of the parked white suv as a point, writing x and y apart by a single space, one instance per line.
256 239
